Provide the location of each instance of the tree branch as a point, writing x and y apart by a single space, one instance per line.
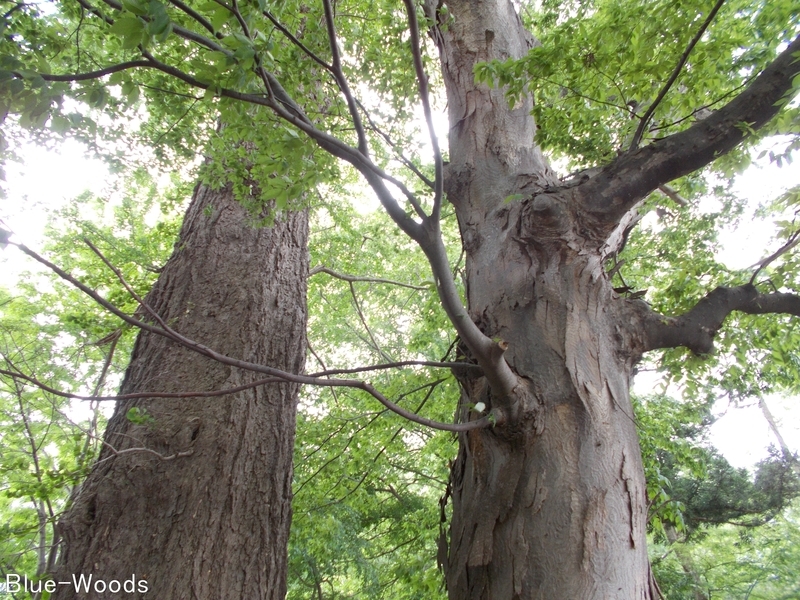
363 320
696 328
352 278
169 333
637 137
793 240
92 74
422 81
341 80
196 16
630 177
297 42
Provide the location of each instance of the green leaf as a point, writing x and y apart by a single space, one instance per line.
137 7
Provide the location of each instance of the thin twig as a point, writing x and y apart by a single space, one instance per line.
121 278
115 452
671 193
114 338
364 323
297 42
352 278
196 16
406 161
637 137
793 240
397 365
422 81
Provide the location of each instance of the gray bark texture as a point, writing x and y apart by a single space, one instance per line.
551 504
213 522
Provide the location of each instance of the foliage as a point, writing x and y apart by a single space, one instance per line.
730 562
601 65
367 485
68 343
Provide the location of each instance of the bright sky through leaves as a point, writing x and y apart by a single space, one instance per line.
48 179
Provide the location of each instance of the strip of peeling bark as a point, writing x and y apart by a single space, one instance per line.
696 328
633 175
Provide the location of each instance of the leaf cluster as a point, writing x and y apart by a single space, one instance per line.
600 66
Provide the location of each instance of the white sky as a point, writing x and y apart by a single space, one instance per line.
49 179
45 182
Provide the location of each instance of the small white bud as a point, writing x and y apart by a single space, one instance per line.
480 407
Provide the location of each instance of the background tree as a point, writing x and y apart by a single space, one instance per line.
548 490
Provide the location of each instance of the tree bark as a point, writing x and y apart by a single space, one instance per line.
210 520
551 503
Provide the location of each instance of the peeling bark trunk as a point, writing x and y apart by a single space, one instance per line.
213 524
551 503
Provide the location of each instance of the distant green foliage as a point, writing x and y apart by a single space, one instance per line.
601 64
55 333
367 483
731 562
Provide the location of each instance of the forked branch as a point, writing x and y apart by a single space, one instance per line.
629 178
278 374
637 137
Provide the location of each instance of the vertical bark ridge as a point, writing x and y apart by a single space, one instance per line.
554 507
212 525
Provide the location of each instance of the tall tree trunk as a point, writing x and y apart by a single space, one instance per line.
212 523
552 503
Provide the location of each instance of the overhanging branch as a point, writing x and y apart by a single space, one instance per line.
696 328
632 176
282 376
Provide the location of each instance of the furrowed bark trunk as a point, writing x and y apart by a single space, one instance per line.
213 522
551 503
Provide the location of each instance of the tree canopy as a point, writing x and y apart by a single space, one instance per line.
296 106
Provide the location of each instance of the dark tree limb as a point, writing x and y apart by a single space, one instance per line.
629 178
341 80
696 328
88 76
422 82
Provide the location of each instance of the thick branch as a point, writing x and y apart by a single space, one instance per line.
634 175
487 352
696 328
92 74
